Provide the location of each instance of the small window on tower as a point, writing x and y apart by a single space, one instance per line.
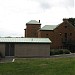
60 33
65 26
47 35
70 34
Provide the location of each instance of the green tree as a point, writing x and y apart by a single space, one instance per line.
72 21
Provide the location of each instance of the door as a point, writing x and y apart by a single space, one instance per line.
9 49
65 37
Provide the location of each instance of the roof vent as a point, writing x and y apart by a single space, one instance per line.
39 21
65 19
32 39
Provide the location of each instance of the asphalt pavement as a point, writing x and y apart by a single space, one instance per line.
63 55
11 59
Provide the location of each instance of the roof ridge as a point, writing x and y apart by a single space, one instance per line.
25 40
63 22
33 22
48 27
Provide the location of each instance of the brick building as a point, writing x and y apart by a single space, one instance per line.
62 35
32 28
26 47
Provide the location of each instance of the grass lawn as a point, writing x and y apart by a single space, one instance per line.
39 66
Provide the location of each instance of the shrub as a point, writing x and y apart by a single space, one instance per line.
54 52
66 51
59 51
51 52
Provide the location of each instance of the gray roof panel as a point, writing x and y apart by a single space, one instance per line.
25 40
49 27
33 22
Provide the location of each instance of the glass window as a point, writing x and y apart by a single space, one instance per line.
65 26
70 34
47 35
65 35
60 33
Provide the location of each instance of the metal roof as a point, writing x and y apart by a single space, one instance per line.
25 40
49 27
33 22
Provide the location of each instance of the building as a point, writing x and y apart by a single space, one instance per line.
31 28
25 47
62 35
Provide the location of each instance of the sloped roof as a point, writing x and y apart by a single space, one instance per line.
65 22
49 27
25 40
33 22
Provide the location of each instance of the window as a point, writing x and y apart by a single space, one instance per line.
65 26
60 33
70 39
65 35
47 35
61 47
70 34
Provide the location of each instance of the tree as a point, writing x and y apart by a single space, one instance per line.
72 21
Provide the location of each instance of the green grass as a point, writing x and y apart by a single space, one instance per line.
39 66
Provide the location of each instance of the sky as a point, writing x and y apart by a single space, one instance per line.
14 14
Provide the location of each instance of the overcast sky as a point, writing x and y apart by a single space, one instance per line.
14 14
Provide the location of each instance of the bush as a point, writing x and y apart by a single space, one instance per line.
66 51
54 52
59 51
51 52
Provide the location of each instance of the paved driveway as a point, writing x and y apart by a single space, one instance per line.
63 55
7 59
10 59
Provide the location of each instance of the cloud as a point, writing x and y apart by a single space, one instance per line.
15 13
8 32
47 4
65 3
44 4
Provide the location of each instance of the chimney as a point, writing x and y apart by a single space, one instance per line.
39 21
65 19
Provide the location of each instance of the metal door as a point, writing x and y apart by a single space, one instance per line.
9 49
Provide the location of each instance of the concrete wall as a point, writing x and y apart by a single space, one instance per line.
2 49
31 50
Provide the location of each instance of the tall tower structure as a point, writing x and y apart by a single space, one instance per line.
32 28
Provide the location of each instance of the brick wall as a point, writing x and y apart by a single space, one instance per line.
57 36
32 30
